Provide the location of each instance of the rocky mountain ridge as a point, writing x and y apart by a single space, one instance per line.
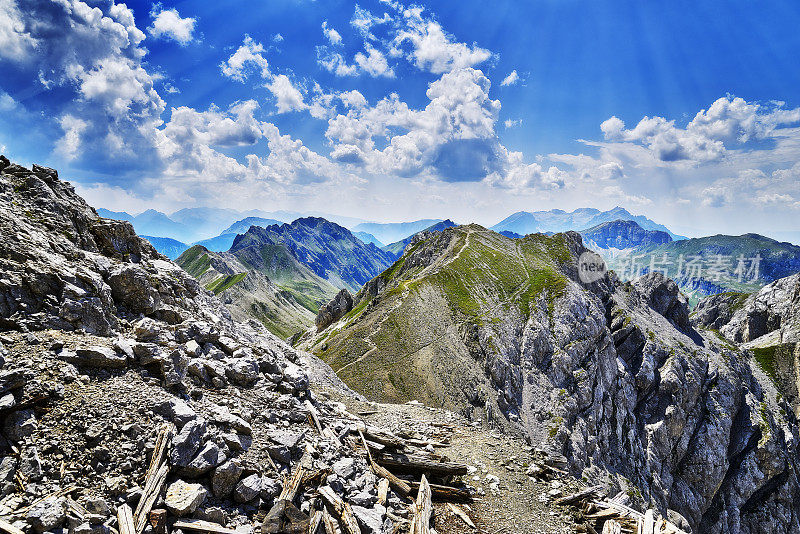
611 375
330 250
268 285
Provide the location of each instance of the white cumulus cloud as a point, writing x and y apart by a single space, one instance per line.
168 24
511 79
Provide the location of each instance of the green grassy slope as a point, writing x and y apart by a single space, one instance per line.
406 342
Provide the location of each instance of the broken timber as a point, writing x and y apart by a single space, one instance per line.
422 508
155 479
341 510
420 464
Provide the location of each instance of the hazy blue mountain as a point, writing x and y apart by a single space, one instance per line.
171 248
524 222
116 215
330 250
715 258
621 234
391 232
240 227
221 243
397 248
509 233
368 238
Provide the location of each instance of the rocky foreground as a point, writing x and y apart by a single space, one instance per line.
131 401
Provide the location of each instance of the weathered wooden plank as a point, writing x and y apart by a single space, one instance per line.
312 412
314 523
648 523
419 464
423 507
125 520
329 522
341 510
399 485
8 528
293 484
579 496
446 493
155 478
383 490
152 490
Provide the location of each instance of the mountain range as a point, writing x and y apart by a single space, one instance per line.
525 222
609 384
612 374
282 274
264 281
700 266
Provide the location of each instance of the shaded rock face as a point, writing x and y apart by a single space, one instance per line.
334 310
775 308
611 375
684 420
768 323
663 296
64 267
717 310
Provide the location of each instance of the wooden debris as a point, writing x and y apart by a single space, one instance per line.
581 495
328 521
420 464
293 484
446 493
158 520
155 478
341 510
612 527
125 523
314 415
152 489
202 526
420 522
8 528
648 523
383 491
399 485
461 514
315 522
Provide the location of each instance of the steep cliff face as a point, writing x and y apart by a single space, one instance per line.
611 375
767 323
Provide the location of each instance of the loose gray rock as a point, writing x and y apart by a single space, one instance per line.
186 444
225 477
47 514
248 488
183 498
209 457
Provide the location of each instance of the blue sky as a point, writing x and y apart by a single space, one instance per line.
684 111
